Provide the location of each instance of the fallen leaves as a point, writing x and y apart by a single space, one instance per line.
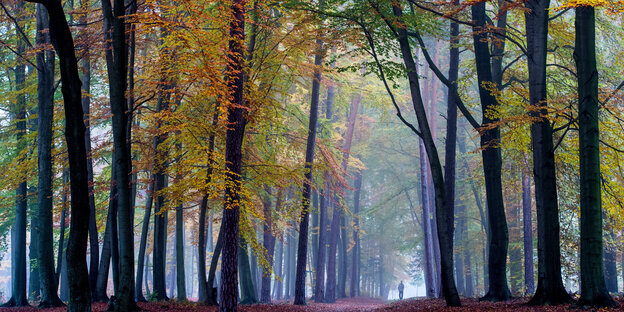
358 304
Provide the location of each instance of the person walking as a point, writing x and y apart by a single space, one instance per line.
401 287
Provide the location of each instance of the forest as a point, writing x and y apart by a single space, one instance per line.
311 155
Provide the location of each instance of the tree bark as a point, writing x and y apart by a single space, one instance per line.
233 158
78 276
18 231
247 287
45 102
269 245
107 248
355 253
180 274
492 161
138 286
94 245
529 284
205 288
593 288
550 289
302 251
445 240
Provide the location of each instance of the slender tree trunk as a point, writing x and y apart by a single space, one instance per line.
138 286
233 159
63 225
302 251
593 288
429 270
269 245
610 266
34 285
451 145
446 240
355 254
319 287
45 93
211 298
107 247
247 287
492 163
314 241
180 274
279 272
18 232
529 285
550 289
94 246
460 243
80 295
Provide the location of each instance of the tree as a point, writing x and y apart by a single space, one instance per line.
233 157
492 162
593 288
302 251
78 276
45 94
18 231
550 288
122 157
445 240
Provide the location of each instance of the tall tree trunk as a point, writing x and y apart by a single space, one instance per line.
211 297
122 157
319 287
180 274
45 93
460 243
529 285
515 252
330 287
205 288
160 179
107 248
610 269
550 289
445 239
355 253
34 285
302 251
94 246
287 256
279 272
233 158
342 260
80 295
593 288
248 292
63 225
430 285
269 245
138 286
18 232
492 161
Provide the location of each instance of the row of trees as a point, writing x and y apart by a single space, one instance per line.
196 123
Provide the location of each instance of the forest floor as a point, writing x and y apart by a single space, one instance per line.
359 304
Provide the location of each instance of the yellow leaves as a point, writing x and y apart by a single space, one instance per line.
611 6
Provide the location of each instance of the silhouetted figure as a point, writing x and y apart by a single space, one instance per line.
401 287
